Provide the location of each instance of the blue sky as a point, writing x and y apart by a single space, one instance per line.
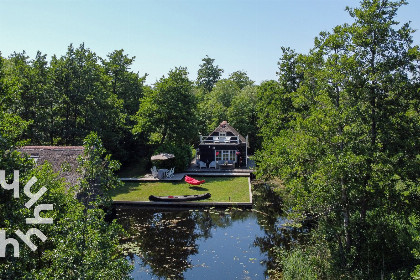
239 34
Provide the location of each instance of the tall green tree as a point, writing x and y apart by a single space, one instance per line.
208 74
242 114
39 130
84 103
241 79
98 173
167 112
215 105
125 84
128 87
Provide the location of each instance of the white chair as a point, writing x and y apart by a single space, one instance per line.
154 172
170 173
212 164
203 164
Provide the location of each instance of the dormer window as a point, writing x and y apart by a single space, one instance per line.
34 157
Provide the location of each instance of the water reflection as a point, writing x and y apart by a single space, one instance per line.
206 244
269 208
166 240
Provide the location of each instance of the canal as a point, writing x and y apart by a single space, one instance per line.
204 243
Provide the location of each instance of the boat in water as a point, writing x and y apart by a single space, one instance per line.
179 198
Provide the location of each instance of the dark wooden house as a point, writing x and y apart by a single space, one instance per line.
224 146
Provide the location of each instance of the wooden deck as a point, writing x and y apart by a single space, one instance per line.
180 176
195 169
149 178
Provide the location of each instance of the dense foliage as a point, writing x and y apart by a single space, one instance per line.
79 241
65 99
341 130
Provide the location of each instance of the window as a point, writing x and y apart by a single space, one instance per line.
34 157
222 136
226 155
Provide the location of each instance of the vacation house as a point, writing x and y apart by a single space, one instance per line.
63 159
223 148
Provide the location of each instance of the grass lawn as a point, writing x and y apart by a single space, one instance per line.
221 189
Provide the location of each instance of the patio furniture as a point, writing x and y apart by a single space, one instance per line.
154 172
170 173
203 164
162 173
212 164
226 166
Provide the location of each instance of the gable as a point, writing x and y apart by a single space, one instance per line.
229 130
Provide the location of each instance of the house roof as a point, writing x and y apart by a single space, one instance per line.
62 158
224 126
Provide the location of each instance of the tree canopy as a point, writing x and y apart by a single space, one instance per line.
208 74
346 145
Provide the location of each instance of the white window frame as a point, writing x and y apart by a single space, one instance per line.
222 136
225 155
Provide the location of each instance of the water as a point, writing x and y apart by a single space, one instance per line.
202 244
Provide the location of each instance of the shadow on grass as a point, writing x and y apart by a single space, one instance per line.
211 179
134 169
199 188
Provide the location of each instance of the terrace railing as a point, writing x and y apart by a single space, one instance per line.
219 139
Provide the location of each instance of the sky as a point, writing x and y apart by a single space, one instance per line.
244 35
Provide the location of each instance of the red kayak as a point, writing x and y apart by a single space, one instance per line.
193 181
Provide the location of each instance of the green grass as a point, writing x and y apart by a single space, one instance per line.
221 189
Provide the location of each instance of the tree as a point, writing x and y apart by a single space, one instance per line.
168 111
98 173
11 125
208 74
241 79
39 130
84 103
274 108
340 153
242 114
214 107
128 87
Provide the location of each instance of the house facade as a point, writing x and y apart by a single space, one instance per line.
224 145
